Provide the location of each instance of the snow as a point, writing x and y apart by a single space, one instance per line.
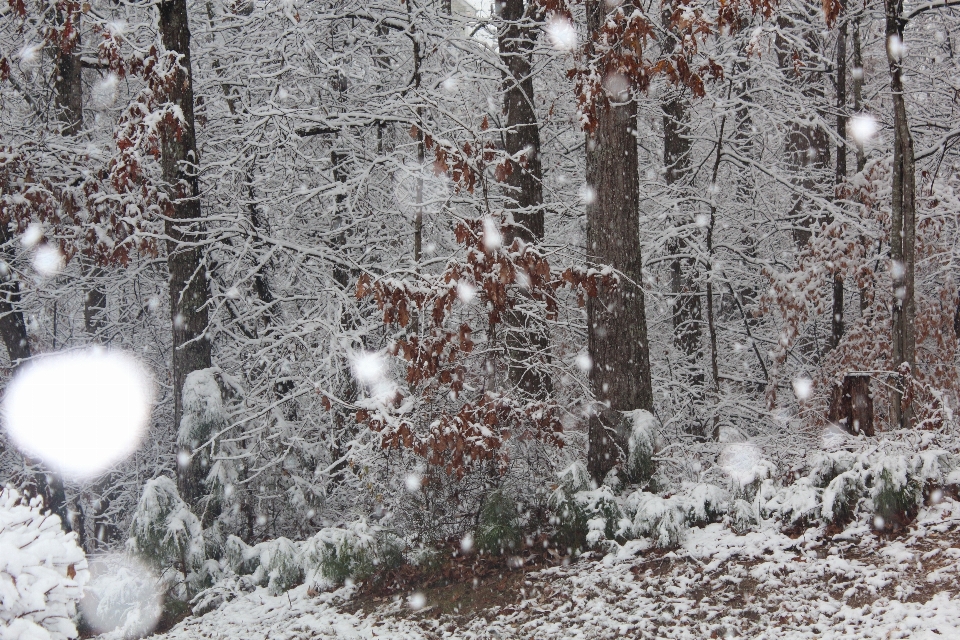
764 584
203 410
42 573
79 411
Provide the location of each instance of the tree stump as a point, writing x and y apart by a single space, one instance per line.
851 407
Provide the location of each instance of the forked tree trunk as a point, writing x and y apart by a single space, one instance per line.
526 340
616 320
189 289
903 221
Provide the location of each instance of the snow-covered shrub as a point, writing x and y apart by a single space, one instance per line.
705 503
281 566
42 572
229 587
499 529
426 558
602 513
575 478
661 519
567 520
798 504
897 491
164 532
641 446
239 557
742 516
203 411
335 555
123 598
826 466
841 497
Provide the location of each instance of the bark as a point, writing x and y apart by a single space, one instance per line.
616 321
903 221
13 330
525 340
851 407
836 318
687 314
189 289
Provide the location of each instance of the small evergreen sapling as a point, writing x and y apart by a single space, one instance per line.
165 534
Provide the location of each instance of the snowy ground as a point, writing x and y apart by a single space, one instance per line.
763 584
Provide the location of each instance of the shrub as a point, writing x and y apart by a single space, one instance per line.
641 446
281 567
499 530
164 532
335 555
896 492
42 572
661 519
841 497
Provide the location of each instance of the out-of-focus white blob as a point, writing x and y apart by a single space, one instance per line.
105 91
233 293
32 236
897 269
863 126
803 388
936 496
584 362
617 86
80 411
879 522
466 292
895 48
412 482
48 261
741 460
833 437
857 73
369 367
587 194
466 543
450 84
492 240
122 599
417 601
703 220
30 53
562 33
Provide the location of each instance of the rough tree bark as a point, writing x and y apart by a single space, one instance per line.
684 277
836 319
524 184
616 320
189 289
903 220
851 407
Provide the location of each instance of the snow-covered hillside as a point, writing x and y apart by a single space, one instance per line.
764 584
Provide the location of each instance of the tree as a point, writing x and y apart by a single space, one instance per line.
903 223
189 289
616 318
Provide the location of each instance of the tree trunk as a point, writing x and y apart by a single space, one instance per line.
903 221
851 407
13 330
836 318
189 289
526 340
684 277
616 321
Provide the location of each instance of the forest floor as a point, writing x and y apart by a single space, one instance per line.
763 584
